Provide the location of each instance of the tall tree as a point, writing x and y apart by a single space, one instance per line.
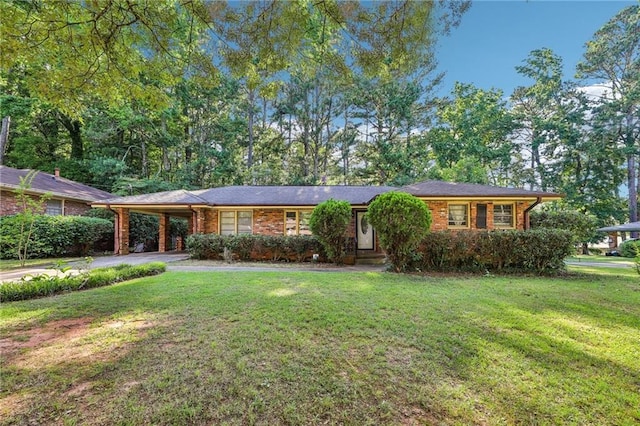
475 127
613 58
537 108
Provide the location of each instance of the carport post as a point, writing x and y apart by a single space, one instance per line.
165 234
123 231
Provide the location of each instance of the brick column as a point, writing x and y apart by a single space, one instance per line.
199 228
191 228
123 231
164 239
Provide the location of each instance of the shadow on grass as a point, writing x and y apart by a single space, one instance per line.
244 348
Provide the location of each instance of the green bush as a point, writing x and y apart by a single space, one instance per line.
241 245
630 248
329 222
581 225
54 236
540 251
401 221
45 285
253 247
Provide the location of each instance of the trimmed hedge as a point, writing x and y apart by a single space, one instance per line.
54 236
45 285
539 251
254 247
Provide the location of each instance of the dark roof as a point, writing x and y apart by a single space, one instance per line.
434 188
179 196
59 187
313 195
289 195
625 227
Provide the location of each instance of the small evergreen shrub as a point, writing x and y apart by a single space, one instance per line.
539 251
45 285
54 236
329 222
401 221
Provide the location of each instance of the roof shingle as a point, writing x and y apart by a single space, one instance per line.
434 188
44 182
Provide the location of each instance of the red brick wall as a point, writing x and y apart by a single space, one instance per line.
271 221
268 221
75 208
211 221
9 205
440 214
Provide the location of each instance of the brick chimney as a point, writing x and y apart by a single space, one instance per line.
56 172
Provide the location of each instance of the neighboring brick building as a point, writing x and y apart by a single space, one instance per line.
285 210
67 197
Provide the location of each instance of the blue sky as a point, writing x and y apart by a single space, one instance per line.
496 36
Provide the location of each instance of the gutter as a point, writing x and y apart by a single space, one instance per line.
527 210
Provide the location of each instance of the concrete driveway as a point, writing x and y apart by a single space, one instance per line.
98 262
169 257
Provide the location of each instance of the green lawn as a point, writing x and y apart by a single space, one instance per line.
326 348
600 259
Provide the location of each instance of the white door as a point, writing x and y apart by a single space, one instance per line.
364 232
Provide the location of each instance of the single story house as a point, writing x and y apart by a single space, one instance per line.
614 230
285 210
68 198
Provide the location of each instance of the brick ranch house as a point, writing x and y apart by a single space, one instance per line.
68 198
285 210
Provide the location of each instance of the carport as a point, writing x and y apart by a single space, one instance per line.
614 230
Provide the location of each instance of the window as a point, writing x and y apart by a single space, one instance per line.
503 215
236 222
458 215
297 222
54 208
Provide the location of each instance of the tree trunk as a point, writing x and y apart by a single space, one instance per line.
4 137
632 174
345 148
250 118
145 159
585 248
75 133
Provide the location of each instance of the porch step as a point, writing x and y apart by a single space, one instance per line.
365 257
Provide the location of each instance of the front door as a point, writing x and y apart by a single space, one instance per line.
364 232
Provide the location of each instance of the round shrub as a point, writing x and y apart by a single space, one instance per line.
630 248
402 221
329 222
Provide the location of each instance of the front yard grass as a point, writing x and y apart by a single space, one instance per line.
326 348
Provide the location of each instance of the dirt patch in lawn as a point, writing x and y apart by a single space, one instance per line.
64 329
68 340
